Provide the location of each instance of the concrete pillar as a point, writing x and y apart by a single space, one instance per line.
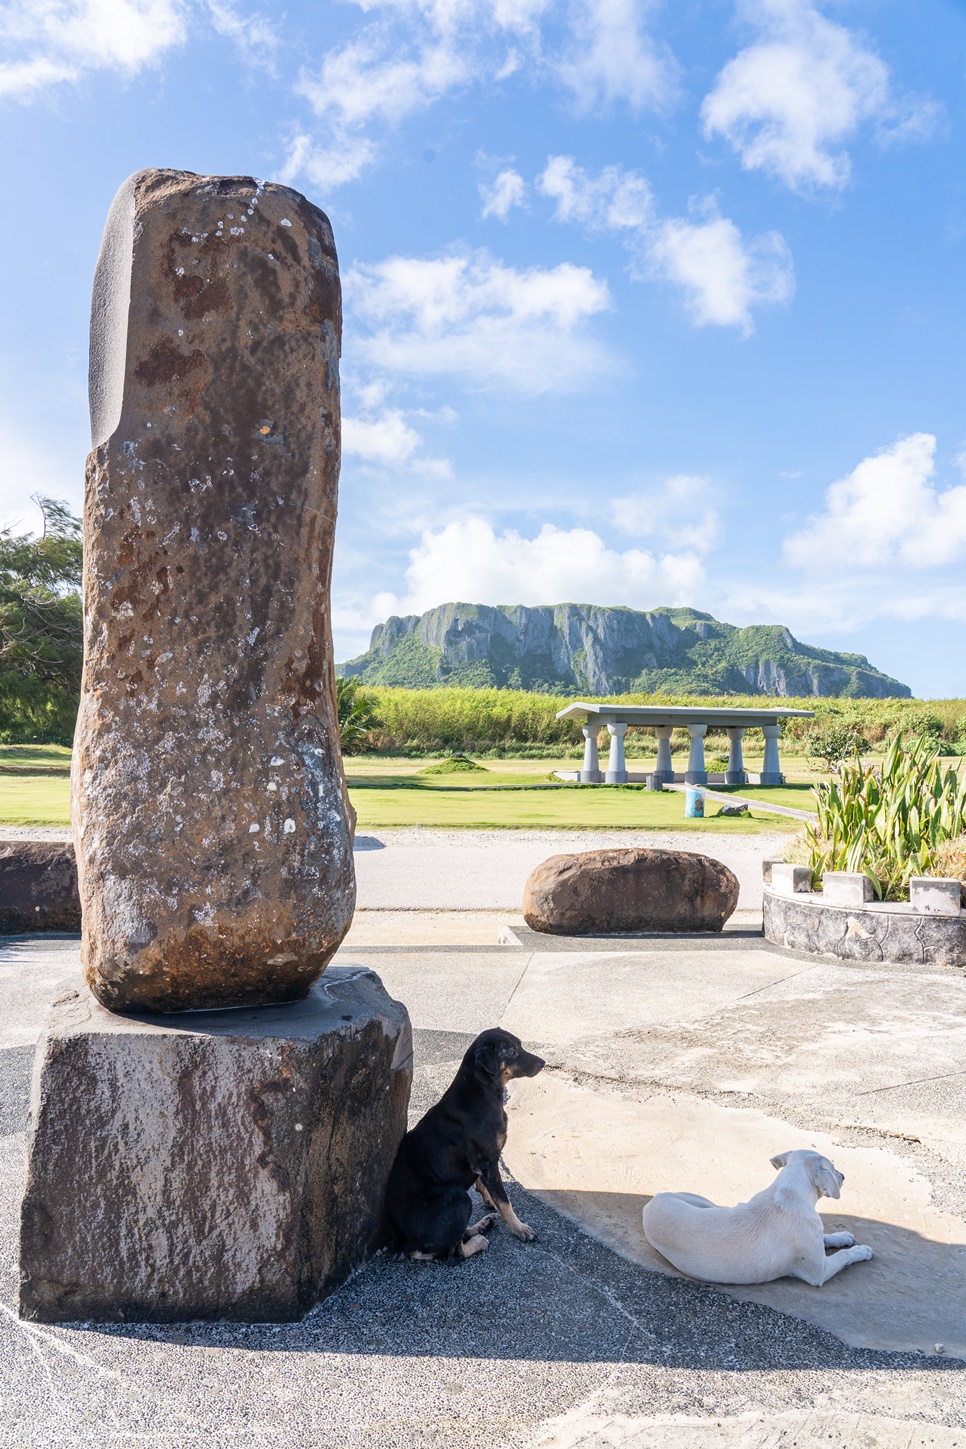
664 771
696 773
771 770
590 773
735 774
616 765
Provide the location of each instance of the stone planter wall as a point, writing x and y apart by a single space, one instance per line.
876 931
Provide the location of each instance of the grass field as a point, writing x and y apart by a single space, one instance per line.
517 794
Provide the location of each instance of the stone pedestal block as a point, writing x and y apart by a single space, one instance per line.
790 880
226 1164
38 887
846 888
935 895
209 809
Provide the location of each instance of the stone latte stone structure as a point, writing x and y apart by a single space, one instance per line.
613 892
210 1164
210 817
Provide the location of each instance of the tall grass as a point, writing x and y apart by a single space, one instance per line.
890 821
514 722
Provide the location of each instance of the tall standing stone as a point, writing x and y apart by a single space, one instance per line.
210 817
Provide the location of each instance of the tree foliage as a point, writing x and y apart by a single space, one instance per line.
41 627
357 715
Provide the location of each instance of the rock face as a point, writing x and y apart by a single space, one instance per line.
604 892
213 1165
38 887
209 809
585 647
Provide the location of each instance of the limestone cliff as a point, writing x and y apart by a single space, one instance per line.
595 650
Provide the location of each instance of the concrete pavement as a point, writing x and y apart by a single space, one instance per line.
567 1341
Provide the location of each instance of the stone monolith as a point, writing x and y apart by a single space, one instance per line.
210 817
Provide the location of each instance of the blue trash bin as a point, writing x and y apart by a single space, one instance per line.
694 803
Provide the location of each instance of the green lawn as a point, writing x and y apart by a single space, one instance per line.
585 807
511 794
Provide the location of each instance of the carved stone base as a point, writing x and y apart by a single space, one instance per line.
220 1164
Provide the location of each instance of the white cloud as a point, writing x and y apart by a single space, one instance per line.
50 42
412 53
789 102
507 191
252 34
681 510
886 511
387 441
327 166
613 200
472 316
468 560
612 58
722 274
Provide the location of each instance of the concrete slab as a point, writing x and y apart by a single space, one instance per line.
566 996
426 928
599 1157
447 990
496 1353
806 1429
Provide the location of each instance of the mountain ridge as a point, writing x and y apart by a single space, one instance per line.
599 649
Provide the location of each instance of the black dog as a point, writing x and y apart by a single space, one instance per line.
456 1145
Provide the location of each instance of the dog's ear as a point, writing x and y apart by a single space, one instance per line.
825 1178
780 1161
488 1056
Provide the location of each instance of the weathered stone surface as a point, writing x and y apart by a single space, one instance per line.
876 932
38 887
602 892
209 807
214 1164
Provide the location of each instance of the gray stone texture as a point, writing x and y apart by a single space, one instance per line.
935 895
38 887
214 1164
790 879
878 932
209 808
602 892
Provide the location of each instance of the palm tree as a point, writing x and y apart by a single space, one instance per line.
357 715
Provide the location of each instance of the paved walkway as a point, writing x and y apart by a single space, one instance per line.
671 1063
484 870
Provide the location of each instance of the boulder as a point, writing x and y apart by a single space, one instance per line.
38 887
209 808
213 1164
611 892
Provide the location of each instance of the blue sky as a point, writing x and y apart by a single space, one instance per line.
645 303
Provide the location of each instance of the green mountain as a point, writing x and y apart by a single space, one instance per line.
597 651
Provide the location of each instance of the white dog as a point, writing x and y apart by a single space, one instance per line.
777 1234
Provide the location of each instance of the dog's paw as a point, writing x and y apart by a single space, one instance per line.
861 1254
839 1240
523 1232
489 1222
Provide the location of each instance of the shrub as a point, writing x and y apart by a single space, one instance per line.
949 859
888 822
455 765
835 742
